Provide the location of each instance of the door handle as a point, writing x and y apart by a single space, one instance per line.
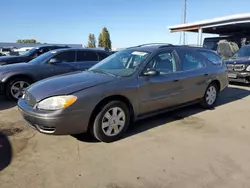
206 74
176 80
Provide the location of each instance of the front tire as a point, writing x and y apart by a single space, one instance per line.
15 88
210 97
111 122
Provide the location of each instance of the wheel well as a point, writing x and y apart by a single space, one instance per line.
19 76
106 101
217 82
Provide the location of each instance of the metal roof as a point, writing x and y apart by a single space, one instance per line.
239 23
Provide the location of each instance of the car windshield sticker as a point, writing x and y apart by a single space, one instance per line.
139 53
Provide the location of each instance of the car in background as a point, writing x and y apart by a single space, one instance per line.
28 55
22 50
6 50
131 84
2 54
239 66
15 78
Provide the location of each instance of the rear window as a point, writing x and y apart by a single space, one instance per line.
101 55
211 45
86 56
211 56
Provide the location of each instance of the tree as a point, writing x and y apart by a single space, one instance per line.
104 39
100 40
26 41
92 41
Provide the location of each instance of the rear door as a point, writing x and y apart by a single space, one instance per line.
66 62
86 59
195 75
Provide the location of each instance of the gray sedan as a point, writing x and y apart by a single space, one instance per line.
131 84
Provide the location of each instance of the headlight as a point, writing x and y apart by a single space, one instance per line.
57 102
248 68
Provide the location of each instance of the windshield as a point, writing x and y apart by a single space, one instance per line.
29 52
122 63
40 59
243 52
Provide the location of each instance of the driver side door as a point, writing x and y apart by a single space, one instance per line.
164 90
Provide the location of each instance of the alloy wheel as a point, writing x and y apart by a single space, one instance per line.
113 121
17 89
211 95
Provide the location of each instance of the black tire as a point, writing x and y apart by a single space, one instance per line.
204 102
8 86
97 129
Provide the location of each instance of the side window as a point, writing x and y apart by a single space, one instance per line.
46 50
86 56
164 62
67 56
214 58
102 56
191 62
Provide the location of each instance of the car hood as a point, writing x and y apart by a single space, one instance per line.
10 59
239 60
67 84
15 67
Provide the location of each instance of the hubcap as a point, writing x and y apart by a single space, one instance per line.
211 95
113 121
18 88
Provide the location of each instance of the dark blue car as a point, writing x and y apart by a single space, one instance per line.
15 78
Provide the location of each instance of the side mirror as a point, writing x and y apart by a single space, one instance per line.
53 61
151 72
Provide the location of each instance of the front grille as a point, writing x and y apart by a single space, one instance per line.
29 99
237 67
46 129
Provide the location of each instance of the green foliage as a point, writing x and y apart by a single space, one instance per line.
100 40
26 41
92 41
104 39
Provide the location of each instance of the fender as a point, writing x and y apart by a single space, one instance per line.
10 75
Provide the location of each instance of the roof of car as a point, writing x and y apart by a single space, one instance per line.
46 46
153 47
85 49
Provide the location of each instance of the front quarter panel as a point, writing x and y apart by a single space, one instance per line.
9 75
89 98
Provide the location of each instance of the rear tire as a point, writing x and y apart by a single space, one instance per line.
111 122
210 97
15 88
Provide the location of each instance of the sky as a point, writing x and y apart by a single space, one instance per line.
130 22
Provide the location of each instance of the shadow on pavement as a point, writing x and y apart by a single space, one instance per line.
5 151
5 104
229 95
85 137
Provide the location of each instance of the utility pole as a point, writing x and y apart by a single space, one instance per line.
184 17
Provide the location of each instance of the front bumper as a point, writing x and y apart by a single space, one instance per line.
59 123
242 77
